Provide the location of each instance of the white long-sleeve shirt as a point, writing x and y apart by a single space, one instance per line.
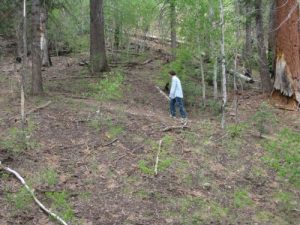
176 89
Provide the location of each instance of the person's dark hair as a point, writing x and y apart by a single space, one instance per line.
172 72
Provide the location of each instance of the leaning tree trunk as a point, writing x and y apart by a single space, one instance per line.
263 61
44 37
173 28
97 40
37 82
287 75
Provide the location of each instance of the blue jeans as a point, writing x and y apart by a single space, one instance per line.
179 102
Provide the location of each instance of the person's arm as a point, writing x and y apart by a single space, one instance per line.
173 88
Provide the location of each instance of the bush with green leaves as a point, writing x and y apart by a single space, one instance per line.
283 155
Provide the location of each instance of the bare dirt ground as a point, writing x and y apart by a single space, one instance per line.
204 175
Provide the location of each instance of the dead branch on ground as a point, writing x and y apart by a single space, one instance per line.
31 192
157 157
110 143
176 127
33 110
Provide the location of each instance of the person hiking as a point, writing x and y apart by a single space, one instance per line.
176 97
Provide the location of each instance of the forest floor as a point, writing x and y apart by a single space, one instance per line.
91 155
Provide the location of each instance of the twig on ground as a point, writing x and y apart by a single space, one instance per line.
147 61
71 77
162 93
176 127
38 108
121 157
157 157
33 110
220 138
110 143
31 192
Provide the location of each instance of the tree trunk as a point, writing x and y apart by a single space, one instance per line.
24 65
173 28
203 82
44 37
271 38
36 83
224 81
19 33
215 78
263 61
287 76
248 48
97 40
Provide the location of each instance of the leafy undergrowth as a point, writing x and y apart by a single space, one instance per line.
94 160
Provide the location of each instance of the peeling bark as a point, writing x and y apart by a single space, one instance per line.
287 76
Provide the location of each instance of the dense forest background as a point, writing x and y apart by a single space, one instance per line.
84 111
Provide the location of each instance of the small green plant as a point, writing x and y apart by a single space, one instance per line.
60 204
49 177
145 168
263 117
283 155
108 88
236 130
21 199
214 106
114 131
19 140
242 199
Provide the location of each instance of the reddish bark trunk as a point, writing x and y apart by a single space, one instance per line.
287 77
